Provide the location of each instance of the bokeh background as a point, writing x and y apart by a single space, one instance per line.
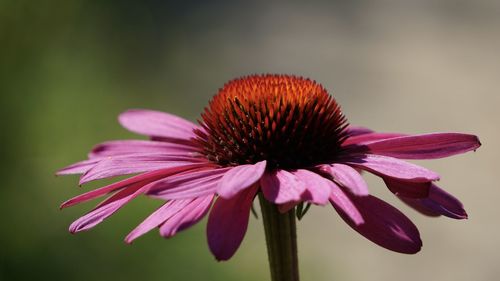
67 68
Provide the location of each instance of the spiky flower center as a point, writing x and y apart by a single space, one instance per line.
289 121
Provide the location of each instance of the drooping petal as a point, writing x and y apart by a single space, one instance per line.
239 178
384 225
145 178
391 167
136 163
426 146
125 147
163 213
344 205
157 124
347 177
78 168
107 208
368 138
188 185
439 202
408 189
186 217
228 222
281 187
318 188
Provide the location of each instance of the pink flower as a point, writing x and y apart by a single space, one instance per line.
283 136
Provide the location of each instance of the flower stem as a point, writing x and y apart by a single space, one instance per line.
281 239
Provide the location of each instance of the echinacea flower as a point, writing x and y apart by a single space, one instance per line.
280 136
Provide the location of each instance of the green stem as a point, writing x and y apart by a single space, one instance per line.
281 239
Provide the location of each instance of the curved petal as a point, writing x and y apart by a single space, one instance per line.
408 189
347 177
136 163
427 146
125 147
228 222
187 217
318 188
239 178
384 225
369 137
357 130
157 124
144 178
187 185
391 167
439 202
281 187
78 167
345 206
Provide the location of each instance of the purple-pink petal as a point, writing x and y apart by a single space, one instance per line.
318 188
281 186
187 185
344 205
426 146
390 167
125 147
438 202
228 222
186 217
157 124
408 189
357 130
363 139
78 168
385 225
136 163
347 177
239 178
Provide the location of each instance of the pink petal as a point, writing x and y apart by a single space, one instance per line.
408 189
107 208
144 178
318 188
78 168
228 222
427 146
281 187
188 185
344 205
368 138
163 213
357 130
391 167
124 147
157 124
239 178
347 177
439 202
187 217
136 163
385 225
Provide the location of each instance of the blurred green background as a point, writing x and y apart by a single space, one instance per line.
67 68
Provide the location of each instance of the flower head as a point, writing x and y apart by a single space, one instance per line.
284 136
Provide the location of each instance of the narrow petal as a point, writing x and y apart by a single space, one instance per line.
188 185
157 124
78 168
439 202
186 217
107 208
391 167
357 130
345 206
144 178
408 189
281 187
163 213
125 147
318 188
347 177
228 222
384 225
427 146
239 178
363 139
136 163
